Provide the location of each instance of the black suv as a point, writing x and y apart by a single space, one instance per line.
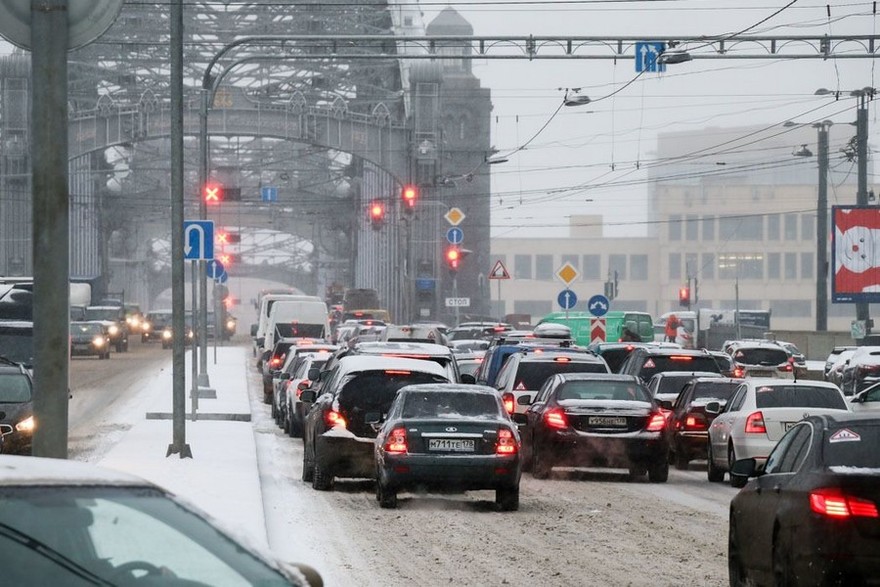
114 318
647 362
16 408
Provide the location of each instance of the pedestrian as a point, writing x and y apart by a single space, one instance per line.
671 330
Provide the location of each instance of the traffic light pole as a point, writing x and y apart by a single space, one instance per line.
862 308
202 322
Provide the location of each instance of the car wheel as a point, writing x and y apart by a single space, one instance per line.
659 472
735 571
118 347
714 472
322 480
541 465
507 498
738 482
636 471
308 472
295 427
782 575
386 496
681 460
267 397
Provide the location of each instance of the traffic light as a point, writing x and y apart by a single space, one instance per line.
213 194
377 214
222 238
684 297
410 196
229 259
453 258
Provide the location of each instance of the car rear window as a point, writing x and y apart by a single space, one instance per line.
798 396
14 389
715 390
456 404
295 330
673 384
532 375
853 445
763 357
602 390
662 363
367 395
616 357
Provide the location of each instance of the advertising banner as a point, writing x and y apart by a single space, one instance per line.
855 253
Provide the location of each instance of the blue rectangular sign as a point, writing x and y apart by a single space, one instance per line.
269 194
647 53
198 240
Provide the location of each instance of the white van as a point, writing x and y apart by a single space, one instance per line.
301 318
258 330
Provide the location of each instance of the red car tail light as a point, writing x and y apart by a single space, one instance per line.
656 423
506 444
755 424
556 418
832 502
739 372
275 362
787 367
695 422
333 418
396 442
509 402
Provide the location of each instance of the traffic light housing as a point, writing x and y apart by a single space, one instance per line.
684 297
377 214
229 259
215 193
223 237
453 258
410 194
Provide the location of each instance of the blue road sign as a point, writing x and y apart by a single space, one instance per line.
567 299
269 194
198 240
425 284
215 269
598 305
222 278
455 235
647 53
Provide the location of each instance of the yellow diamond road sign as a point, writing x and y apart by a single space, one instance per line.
567 273
454 216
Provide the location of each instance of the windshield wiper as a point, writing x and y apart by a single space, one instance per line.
52 555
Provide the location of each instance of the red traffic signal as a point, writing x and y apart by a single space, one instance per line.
213 193
684 296
227 238
410 195
453 256
377 214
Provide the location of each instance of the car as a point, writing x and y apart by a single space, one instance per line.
279 380
90 339
468 363
437 353
761 359
448 436
866 400
834 374
524 372
134 317
477 330
17 341
496 355
71 523
689 422
294 412
16 408
338 432
863 370
466 345
596 420
833 355
426 333
645 362
666 386
274 361
153 325
615 353
167 334
810 515
114 318
757 415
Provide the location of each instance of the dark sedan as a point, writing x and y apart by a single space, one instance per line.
596 420
690 422
89 338
448 436
16 408
811 515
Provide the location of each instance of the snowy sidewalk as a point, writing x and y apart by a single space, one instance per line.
222 478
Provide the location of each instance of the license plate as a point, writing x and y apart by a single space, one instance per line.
451 444
788 425
606 421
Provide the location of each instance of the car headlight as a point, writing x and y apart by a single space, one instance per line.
98 341
146 326
230 325
114 330
26 425
166 334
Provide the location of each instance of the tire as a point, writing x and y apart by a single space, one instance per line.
782 572
322 480
296 428
659 472
681 460
737 482
715 473
735 571
507 498
308 472
274 413
119 347
386 496
541 465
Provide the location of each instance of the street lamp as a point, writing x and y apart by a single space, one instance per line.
821 220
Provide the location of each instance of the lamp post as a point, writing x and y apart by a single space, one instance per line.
821 221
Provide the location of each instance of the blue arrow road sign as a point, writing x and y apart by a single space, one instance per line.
269 194
598 305
647 53
455 235
222 278
215 269
567 299
198 240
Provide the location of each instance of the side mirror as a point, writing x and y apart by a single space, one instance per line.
307 396
524 400
665 404
284 376
745 468
314 373
254 328
260 340
713 408
303 385
468 379
519 418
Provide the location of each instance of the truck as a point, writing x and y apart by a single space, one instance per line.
360 298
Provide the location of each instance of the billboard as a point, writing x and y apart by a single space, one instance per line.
855 253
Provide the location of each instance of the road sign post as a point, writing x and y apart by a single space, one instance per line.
499 273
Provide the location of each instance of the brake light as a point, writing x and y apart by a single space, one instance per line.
334 418
396 442
396 372
695 422
629 347
739 372
509 402
832 502
656 423
786 367
562 359
275 362
556 418
755 424
681 358
506 444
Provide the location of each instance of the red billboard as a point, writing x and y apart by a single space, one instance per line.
855 250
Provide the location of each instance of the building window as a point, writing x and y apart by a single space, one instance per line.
522 266
591 269
707 269
691 228
741 266
742 228
638 267
807 266
691 264
808 227
773 266
773 227
675 266
617 264
544 267
791 232
675 227
573 259
708 228
791 308
791 265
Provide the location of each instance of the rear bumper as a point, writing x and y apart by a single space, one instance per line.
346 456
580 449
692 444
461 472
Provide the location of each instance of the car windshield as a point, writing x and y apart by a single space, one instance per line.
455 404
533 374
15 388
663 363
85 329
89 536
715 390
368 395
852 445
763 357
672 383
17 344
798 396
602 390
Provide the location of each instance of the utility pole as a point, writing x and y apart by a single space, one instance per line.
822 230
864 96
